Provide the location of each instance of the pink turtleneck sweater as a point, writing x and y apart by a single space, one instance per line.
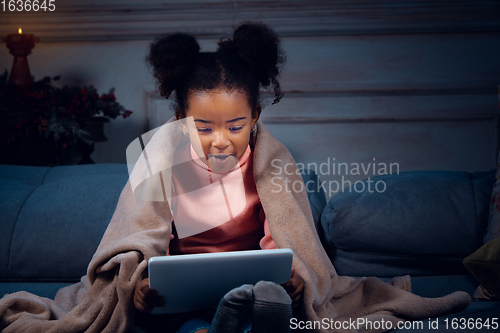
216 212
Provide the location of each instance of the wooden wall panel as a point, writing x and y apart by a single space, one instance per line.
408 82
413 63
97 20
460 146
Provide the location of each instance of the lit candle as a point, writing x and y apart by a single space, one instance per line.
20 45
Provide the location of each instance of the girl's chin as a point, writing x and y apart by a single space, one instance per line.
218 163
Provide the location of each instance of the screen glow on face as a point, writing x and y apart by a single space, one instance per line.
223 122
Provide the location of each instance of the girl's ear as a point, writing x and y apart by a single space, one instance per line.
182 121
256 115
184 128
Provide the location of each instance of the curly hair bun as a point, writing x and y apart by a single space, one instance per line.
172 56
260 47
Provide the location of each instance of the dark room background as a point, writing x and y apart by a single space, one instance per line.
412 83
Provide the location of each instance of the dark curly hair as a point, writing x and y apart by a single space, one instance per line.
253 57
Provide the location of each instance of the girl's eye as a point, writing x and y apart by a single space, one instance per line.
204 130
236 128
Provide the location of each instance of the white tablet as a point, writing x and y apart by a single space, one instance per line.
196 281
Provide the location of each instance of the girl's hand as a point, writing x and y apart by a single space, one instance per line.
145 298
295 288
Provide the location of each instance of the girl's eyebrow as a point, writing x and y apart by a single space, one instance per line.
236 119
209 122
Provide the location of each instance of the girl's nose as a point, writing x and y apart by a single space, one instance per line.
220 141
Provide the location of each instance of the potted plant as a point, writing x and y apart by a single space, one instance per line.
38 124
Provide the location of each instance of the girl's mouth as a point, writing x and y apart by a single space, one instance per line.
221 162
220 158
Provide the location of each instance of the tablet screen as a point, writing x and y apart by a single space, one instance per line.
197 281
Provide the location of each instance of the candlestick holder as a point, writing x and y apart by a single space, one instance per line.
20 46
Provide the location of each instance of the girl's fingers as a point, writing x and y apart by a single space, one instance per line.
139 304
293 283
139 293
295 287
145 299
150 293
296 293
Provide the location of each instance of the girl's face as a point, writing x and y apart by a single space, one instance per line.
223 122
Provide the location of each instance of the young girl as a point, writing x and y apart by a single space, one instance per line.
220 91
218 105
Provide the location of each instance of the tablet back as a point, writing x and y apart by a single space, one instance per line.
196 281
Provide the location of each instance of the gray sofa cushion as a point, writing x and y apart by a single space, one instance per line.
17 184
424 223
54 218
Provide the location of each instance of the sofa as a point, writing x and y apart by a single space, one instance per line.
423 224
